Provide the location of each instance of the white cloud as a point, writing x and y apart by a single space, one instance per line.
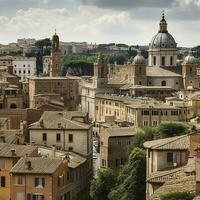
91 24
188 3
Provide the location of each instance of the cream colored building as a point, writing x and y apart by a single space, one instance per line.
68 131
94 85
139 112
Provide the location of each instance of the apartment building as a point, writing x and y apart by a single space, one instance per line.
24 66
113 145
39 178
68 131
152 113
9 155
139 112
78 182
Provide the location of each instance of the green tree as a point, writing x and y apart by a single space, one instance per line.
43 49
178 196
119 58
131 180
78 65
142 136
170 129
102 184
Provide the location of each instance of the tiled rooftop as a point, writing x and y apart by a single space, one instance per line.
20 150
61 119
39 165
171 143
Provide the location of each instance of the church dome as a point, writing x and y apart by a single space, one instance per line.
139 59
190 59
163 39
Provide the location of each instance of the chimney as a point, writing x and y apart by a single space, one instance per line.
42 123
2 139
28 165
53 151
59 125
66 158
13 152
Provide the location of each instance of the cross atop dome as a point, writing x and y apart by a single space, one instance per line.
163 15
163 24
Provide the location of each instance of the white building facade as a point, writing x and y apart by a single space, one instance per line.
24 66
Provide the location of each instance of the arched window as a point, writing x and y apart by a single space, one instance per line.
163 83
163 61
190 70
171 60
154 60
140 70
13 106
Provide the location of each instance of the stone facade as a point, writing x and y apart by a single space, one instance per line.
113 144
61 89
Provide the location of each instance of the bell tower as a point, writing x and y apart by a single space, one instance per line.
189 72
100 67
55 69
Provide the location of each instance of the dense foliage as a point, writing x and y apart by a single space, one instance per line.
102 185
177 196
131 180
170 129
78 65
44 48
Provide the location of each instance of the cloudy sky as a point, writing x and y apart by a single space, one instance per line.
101 21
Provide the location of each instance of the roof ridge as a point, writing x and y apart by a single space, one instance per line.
177 137
75 122
166 174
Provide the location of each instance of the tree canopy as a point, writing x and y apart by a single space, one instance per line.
131 180
170 129
102 184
